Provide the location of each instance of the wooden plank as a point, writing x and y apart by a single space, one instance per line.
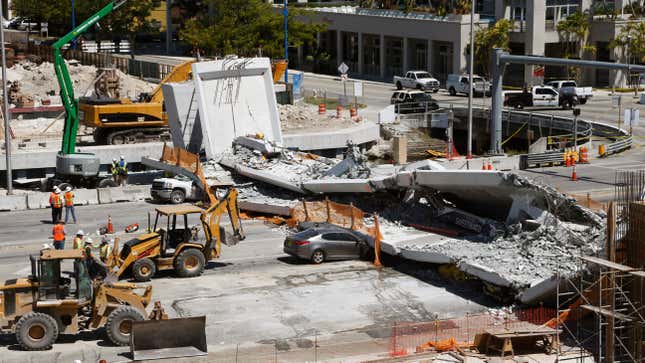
608 264
607 313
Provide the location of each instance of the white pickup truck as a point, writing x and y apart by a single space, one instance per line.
176 190
583 93
420 80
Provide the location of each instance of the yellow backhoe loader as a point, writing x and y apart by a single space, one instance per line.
39 308
174 244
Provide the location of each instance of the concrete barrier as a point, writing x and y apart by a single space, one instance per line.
13 202
37 200
130 193
86 197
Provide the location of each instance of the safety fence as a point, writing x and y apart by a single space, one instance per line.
448 334
127 65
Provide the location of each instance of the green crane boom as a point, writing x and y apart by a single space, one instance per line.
70 103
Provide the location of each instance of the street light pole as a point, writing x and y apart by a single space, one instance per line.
470 81
285 12
6 114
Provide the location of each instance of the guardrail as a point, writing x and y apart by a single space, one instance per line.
617 146
538 160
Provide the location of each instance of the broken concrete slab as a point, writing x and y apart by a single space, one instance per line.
235 98
325 186
261 175
264 208
333 139
183 115
253 143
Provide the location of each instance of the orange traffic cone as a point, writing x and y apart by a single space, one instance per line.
573 159
490 165
568 160
484 165
110 227
574 175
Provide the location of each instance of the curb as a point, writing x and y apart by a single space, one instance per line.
40 200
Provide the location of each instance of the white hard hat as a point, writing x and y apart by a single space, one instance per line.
80 232
113 159
68 189
122 157
56 188
88 240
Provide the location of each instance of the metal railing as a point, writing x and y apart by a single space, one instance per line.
618 146
542 159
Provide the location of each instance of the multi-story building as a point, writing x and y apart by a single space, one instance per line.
379 43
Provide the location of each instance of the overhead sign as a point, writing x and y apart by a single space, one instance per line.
358 89
343 68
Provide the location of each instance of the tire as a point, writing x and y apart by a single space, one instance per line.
399 86
118 140
366 253
143 269
36 331
177 196
566 105
190 263
420 87
452 91
318 257
119 324
435 90
583 101
107 183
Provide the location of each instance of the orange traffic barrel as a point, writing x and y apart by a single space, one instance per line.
584 155
322 109
353 112
339 111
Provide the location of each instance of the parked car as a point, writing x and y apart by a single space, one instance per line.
27 24
457 83
583 93
13 23
541 96
409 101
420 80
327 242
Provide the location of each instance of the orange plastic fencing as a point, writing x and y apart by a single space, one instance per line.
451 334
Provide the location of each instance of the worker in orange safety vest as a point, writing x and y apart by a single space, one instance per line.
59 235
69 205
56 203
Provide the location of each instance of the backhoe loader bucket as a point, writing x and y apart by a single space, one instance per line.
172 338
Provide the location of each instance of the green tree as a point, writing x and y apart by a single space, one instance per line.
631 38
130 19
487 39
574 34
243 26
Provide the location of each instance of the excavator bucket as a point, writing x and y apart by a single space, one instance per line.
158 339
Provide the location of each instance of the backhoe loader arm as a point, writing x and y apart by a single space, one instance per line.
180 73
211 220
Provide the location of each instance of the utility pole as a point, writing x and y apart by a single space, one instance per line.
168 26
470 81
73 22
6 114
285 12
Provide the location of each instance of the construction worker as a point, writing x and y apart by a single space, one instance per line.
78 240
58 233
115 171
69 205
123 171
105 249
56 203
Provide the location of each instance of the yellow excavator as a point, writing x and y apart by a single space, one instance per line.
121 121
175 244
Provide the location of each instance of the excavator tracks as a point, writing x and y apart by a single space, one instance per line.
131 136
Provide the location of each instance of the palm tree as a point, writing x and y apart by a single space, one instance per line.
574 33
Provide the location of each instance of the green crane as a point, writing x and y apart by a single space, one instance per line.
72 167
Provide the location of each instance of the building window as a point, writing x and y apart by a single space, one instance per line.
557 10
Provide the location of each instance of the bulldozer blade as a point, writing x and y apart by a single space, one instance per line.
172 338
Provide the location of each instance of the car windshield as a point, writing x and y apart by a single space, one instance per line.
478 79
420 97
305 234
181 177
423 75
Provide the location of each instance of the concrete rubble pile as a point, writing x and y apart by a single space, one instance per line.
294 118
40 81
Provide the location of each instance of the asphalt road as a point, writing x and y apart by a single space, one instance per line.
254 295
